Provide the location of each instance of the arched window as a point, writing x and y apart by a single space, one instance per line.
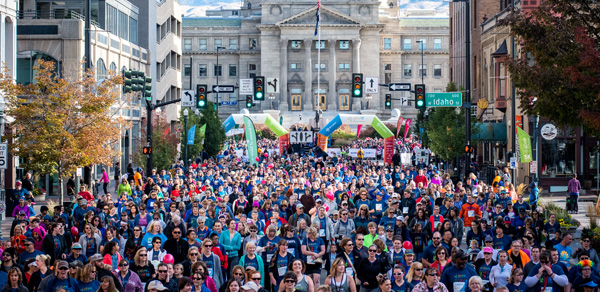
100 70
113 67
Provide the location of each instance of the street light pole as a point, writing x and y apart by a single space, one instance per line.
185 119
219 73
421 44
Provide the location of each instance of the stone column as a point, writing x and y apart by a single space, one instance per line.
355 68
283 70
308 93
332 96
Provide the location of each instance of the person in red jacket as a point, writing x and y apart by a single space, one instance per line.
421 178
436 219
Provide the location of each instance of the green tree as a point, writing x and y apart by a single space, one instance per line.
561 64
215 133
164 144
193 119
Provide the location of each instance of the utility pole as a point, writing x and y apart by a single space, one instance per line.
185 120
467 82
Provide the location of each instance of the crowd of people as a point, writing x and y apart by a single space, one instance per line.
295 224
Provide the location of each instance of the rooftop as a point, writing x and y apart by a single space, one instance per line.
211 21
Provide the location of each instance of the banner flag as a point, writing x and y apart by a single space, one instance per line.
406 128
251 145
524 146
400 121
191 135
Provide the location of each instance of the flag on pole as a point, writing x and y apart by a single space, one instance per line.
202 130
318 16
399 125
191 135
406 128
251 145
358 132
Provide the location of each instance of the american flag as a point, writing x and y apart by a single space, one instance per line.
318 14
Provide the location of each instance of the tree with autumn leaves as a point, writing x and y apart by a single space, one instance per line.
63 123
559 72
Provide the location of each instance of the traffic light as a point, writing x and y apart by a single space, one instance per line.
468 149
259 88
148 88
201 95
147 150
420 96
248 101
357 85
127 81
388 101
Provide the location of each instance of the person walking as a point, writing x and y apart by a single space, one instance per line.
573 188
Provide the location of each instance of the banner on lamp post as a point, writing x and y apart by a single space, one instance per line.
251 145
191 135
524 146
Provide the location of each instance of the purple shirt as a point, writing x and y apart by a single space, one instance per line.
574 186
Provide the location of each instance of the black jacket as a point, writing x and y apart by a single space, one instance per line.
48 246
177 248
101 272
367 271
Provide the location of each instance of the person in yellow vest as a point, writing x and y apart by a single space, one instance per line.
360 153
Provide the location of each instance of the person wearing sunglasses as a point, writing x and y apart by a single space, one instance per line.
87 280
130 281
62 279
541 274
369 268
176 246
441 259
212 262
457 275
431 282
289 282
199 283
397 276
163 277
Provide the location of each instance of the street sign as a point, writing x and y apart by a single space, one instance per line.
513 163
187 98
246 86
3 156
443 99
301 137
533 166
404 101
229 103
399 86
371 85
223 88
178 128
272 85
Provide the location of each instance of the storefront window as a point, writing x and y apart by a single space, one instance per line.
558 157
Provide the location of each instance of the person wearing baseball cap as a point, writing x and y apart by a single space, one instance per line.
63 279
458 275
155 286
484 265
30 251
76 254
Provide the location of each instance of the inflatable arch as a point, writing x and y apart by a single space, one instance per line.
371 120
265 119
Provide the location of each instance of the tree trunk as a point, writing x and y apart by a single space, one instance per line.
60 184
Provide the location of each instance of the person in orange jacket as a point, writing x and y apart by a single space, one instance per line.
516 257
468 211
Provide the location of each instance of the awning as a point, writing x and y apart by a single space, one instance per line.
490 133
501 51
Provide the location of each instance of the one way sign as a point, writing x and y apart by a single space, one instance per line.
371 85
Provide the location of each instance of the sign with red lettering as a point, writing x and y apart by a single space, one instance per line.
388 150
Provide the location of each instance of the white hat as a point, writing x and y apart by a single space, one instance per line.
250 286
157 285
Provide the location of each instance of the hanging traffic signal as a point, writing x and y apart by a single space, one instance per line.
420 96
248 101
259 88
388 101
147 150
148 88
357 85
127 81
201 90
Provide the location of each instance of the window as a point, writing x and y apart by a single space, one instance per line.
252 44
558 154
407 44
296 45
321 46
232 70
437 44
202 44
423 70
437 70
407 70
387 44
387 67
388 77
100 70
344 45
344 66
202 71
218 70
233 44
218 43
323 66
251 67
187 70
295 66
187 44
422 44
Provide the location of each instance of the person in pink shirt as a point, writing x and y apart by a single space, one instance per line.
105 180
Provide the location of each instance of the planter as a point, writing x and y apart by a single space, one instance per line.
570 229
41 197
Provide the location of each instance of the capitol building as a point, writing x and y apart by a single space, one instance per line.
276 39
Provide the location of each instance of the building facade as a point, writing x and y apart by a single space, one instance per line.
57 33
277 40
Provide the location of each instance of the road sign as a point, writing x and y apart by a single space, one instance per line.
187 98
223 88
229 103
272 85
301 137
443 99
246 86
3 156
513 163
178 128
399 86
371 85
533 166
